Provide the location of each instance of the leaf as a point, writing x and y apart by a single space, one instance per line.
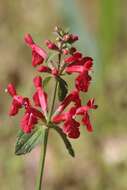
26 142
65 139
62 88
46 81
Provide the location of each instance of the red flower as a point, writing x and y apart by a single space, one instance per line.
71 126
72 97
70 38
40 97
83 79
16 102
38 54
51 45
31 117
83 110
79 67
90 105
83 61
28 121
46 69
73 58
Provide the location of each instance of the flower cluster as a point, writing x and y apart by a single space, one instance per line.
70 107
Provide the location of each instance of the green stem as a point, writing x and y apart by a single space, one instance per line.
42 160
56 84
43 150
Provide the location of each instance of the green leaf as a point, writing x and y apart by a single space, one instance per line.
46 81
62 88
26 142
65 139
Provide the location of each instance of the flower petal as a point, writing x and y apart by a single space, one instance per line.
73 58
83 82
11 89
86 121
28 39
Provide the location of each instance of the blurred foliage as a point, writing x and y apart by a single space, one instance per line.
101 161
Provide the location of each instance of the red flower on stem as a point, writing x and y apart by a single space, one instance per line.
72 97
16 101
44 69
73 58
40 97
51 45
67 61
83 80
74 63
31 117
70 126
83 110
38 54
31 114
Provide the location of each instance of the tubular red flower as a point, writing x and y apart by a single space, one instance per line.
28 122
28 39
42 96
70 126
31 117
70 38
51 45
74 37
43 68
37 82
84 60
82 82
11 89
72 97
14 109
46 69
74 68
79 68
83 110
90 105
16 102
38 54
36 99
59 118
73 58
82 67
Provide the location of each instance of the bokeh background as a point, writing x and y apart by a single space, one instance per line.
101 157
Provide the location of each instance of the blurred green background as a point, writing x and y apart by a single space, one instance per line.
101 157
